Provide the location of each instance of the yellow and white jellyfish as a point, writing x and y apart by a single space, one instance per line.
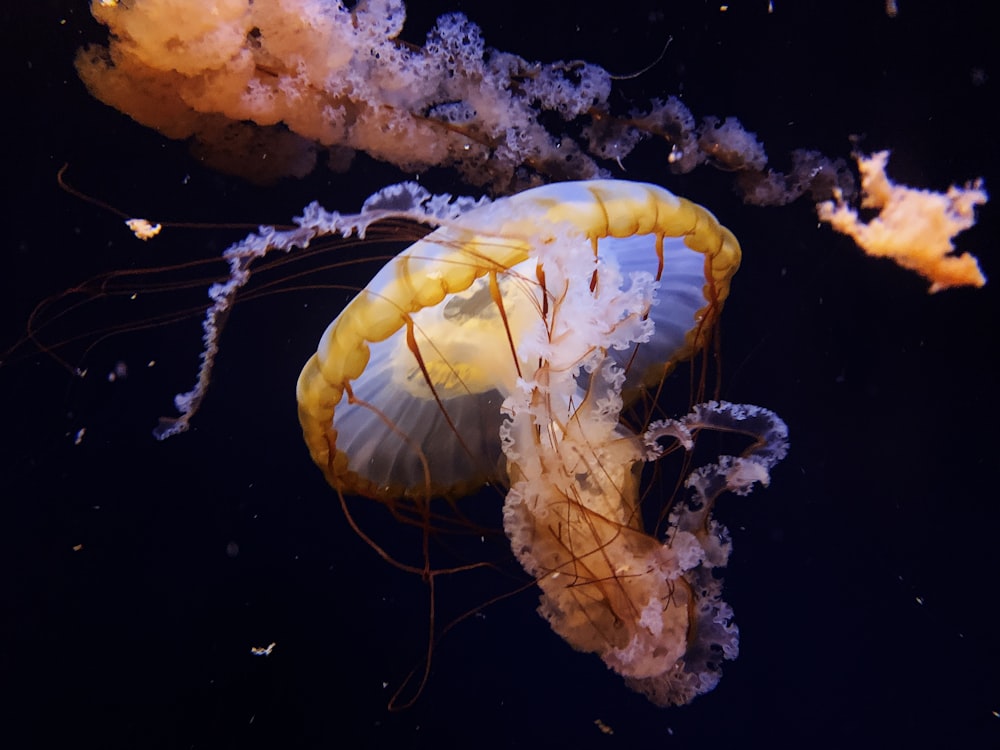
501 348
516 327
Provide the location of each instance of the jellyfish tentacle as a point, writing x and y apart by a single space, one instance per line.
405 200
607 586
736 474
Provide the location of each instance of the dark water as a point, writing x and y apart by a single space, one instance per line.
863 580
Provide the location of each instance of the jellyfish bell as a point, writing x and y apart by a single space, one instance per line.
436 341
502 348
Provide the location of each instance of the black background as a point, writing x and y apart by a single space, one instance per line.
864 579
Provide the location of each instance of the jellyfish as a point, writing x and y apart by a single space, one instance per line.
286 82
521 327
502 348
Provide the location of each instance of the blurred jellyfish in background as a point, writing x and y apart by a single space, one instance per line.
259 88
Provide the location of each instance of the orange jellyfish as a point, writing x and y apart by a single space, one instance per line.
502 347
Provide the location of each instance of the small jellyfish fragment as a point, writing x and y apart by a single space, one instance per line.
914 227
